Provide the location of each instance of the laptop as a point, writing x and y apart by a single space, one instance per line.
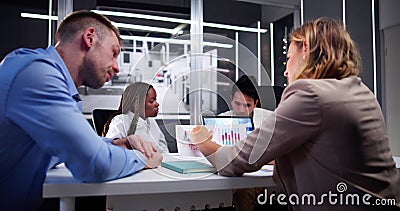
229 121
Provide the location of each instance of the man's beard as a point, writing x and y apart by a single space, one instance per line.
89 75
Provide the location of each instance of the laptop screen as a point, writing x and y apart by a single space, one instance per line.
229 120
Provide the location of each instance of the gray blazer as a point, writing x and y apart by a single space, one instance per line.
324 134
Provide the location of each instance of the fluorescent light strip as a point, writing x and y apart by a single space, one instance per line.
37 16
259 53
177 20
152 17
344 12
142 16
301 12
144 28
49 25
236 28
119 25
236 56
173 41
374 59
271 35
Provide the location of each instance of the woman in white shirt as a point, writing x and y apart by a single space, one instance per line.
138 105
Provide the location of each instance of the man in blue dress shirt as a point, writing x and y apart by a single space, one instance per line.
41 118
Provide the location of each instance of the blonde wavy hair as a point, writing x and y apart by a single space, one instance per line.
331 53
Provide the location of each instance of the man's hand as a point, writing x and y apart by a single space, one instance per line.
136 142
154 157
145 147
154 161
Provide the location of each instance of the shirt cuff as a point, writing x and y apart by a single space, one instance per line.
108 140
140 156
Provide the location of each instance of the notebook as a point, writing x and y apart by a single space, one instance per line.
188 166
229 121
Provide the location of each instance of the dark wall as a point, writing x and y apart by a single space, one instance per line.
84 4
282 28
388 13
22 32
250 40
239 14
317 8
358 23
230 12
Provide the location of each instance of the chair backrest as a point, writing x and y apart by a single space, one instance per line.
270 96
100 117
167 127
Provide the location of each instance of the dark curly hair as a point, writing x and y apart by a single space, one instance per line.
246 85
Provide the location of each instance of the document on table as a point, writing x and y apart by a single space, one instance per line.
266 170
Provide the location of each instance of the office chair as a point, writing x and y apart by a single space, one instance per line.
270 96
100 117
167 127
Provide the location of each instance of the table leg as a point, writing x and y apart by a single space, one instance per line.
67 204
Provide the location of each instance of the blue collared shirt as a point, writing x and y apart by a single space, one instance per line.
40 117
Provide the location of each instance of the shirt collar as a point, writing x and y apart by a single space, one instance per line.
141 121
52 52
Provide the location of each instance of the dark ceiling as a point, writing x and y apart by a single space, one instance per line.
37 4
178 9
230 12
221 11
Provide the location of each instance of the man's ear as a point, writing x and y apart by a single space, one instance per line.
88 37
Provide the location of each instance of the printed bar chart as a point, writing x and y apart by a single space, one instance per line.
225 135
229 135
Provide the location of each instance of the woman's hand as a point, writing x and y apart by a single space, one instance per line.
201 137
122 142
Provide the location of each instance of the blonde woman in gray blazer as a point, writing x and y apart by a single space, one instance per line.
327 135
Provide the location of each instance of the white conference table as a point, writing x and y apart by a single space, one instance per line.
151 189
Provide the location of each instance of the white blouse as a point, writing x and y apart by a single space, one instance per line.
147 129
